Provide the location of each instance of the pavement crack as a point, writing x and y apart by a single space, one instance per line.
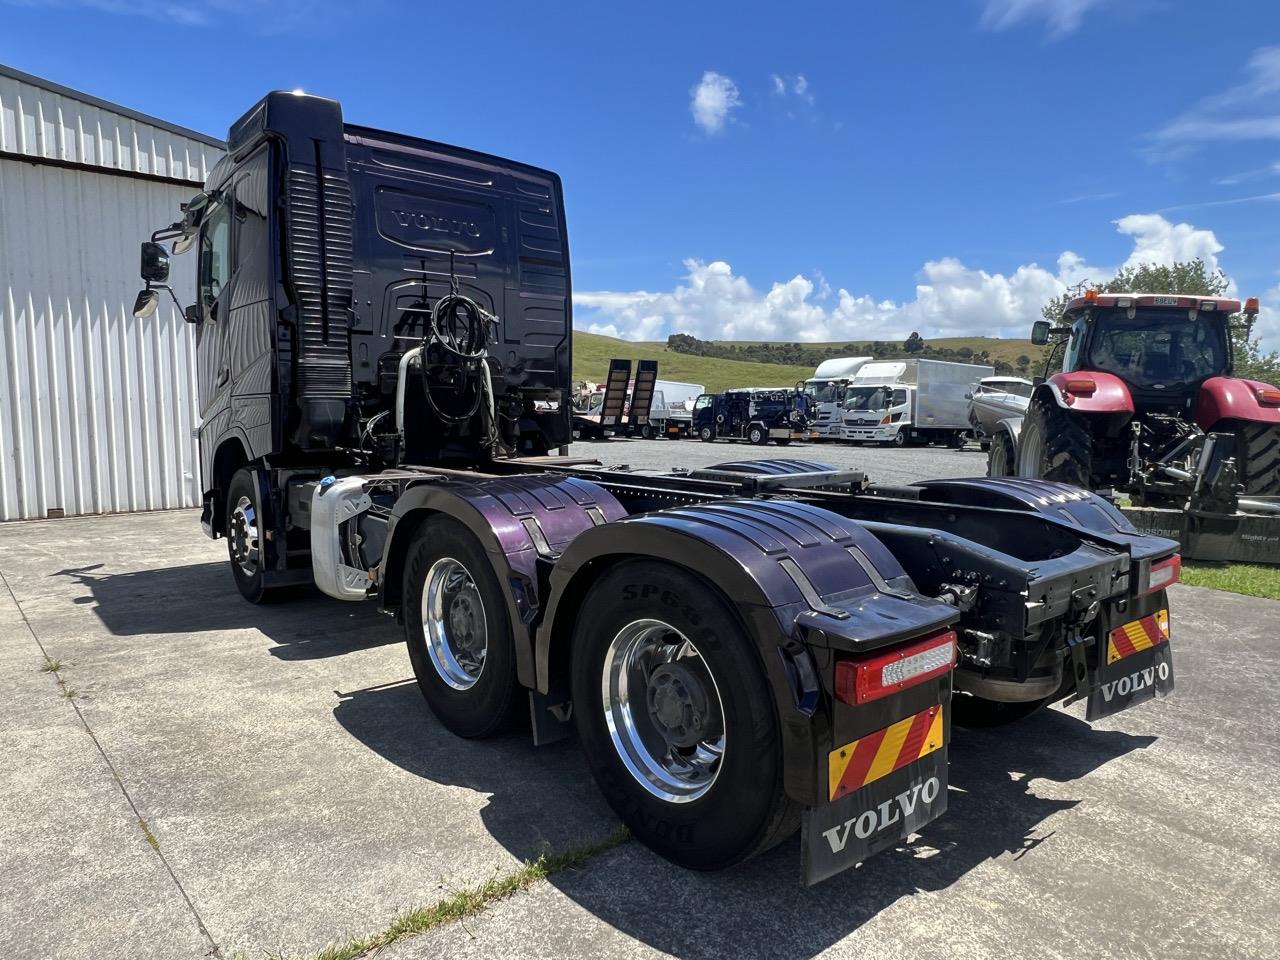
54 666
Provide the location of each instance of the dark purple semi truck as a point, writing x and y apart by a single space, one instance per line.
384 328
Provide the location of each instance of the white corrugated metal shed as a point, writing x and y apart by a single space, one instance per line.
97 408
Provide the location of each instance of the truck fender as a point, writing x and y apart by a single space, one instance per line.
1110 396
774 562
231 454
1229 398
523 523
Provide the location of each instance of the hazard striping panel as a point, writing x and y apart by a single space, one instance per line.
878 754
1137 635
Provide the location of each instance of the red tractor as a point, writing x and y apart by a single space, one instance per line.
1146 407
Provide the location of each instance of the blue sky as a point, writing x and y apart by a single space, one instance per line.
776 171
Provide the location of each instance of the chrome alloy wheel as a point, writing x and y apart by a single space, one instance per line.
245 548
663 711
454 624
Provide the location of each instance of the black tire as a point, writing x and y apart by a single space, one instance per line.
957 440
757 435
978 712
487 705
744 810
707 434
1059 442
1001 460
899 439
247 548
1258 455
646 432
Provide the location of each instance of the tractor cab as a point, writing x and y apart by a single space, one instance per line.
1162 347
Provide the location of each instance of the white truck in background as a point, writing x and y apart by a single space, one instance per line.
826 390
672 412
914 400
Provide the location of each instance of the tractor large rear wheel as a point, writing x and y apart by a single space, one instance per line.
1055 445
1258 454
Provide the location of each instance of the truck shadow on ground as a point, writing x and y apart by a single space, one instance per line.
758 909
304 624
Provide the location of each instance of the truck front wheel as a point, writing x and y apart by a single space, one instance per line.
457 630
758 435
247 525
706 434
675 718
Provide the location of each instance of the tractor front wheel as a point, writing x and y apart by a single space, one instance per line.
1001 461
1055 445
1258 453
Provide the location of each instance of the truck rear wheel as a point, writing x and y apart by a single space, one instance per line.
1055 445
457 630
247 524
676 719
758 435
1258 452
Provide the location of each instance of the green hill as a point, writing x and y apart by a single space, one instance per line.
996 347
592 353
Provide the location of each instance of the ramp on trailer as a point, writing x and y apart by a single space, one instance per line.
642 394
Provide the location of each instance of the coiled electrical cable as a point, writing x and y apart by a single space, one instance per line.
460 328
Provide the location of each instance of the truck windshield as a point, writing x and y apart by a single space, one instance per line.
1158 347
866 398
823 391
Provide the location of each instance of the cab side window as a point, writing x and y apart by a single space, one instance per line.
215 257
1072 355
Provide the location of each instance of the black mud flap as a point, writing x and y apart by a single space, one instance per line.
847 831
1135 666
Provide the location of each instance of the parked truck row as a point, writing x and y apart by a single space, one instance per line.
383 327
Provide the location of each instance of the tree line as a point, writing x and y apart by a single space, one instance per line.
810 355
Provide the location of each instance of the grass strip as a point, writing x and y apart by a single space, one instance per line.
471 900
1251 579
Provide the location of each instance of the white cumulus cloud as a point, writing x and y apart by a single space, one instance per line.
712 100
951 299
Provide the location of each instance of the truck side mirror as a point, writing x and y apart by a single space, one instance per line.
155 262
1040 332
146 303
192 313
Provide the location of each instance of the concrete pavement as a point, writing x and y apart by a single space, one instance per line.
298 792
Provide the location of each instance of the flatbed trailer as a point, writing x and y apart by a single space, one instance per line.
744 651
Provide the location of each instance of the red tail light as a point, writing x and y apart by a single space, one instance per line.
869 678
1163 574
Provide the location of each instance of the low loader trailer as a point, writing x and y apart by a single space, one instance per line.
743 651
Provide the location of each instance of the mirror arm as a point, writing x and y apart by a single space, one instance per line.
168 289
